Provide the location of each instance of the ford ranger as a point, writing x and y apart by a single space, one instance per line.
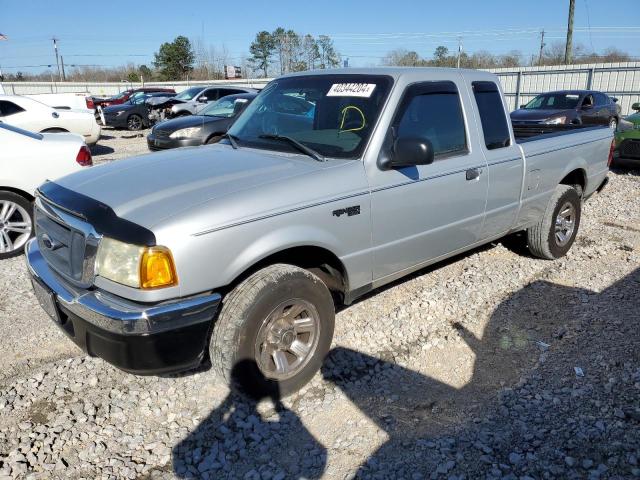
238 252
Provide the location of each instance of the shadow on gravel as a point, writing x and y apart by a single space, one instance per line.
235 440
98 149
523 411
437 431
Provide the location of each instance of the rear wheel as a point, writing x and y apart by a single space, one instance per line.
134 122
16 224
556 231
273 331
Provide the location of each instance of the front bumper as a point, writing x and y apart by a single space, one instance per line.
116 121
162 143
139 338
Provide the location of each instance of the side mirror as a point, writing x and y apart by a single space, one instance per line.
636 106
614 99
408 152
523 105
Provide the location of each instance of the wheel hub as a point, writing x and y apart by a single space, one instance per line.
565 224
287 339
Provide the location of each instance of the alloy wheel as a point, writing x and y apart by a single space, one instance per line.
15 226
287 339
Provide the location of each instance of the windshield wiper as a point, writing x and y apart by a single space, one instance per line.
233 140
300 146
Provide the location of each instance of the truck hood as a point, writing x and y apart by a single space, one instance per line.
150 188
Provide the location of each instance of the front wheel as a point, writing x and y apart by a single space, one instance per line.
134 122
16 224
273 331
554 234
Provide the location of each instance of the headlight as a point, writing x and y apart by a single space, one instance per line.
556 121
186 132
135 266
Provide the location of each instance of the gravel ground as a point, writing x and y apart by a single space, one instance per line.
491 365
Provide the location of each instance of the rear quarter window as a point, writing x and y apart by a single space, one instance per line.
492 115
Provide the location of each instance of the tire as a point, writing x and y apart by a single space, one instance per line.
16 224
240 349
213 139
550 238
135 123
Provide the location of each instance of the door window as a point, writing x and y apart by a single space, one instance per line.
211 94
601 99
9 108
492 115
432 111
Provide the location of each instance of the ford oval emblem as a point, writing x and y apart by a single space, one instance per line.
48 243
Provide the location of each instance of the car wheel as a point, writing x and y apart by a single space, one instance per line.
213 139
16 224
273 331
134 122
613 123
556 231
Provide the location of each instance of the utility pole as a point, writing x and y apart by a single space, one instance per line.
542 45
64 77
55 47
459 50
569 47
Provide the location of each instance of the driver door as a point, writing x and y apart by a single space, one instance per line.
424 212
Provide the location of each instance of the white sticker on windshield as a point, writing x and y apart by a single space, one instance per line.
351 90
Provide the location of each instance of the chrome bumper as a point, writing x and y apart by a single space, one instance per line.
117 315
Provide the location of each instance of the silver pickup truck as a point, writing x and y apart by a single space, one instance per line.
329 185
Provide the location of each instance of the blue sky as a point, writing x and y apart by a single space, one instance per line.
116 32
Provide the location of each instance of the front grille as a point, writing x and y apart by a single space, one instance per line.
630 149
66 243
161 133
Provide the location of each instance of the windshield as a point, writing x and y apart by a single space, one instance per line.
332 114
189 93
554 101
222 108
138 99
122 95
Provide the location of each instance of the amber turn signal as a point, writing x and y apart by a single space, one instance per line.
157 268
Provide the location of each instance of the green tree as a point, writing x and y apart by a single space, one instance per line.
175 60
261 50
133 77
311 51
145 72
329 58
441 56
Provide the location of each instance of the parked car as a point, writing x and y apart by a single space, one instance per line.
237 252
124 96
188 101
628 139
566 108
26 160
206 127
34 116
133 114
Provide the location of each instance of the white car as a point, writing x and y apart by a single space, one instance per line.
35 116
26 161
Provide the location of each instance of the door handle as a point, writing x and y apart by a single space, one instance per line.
473 173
